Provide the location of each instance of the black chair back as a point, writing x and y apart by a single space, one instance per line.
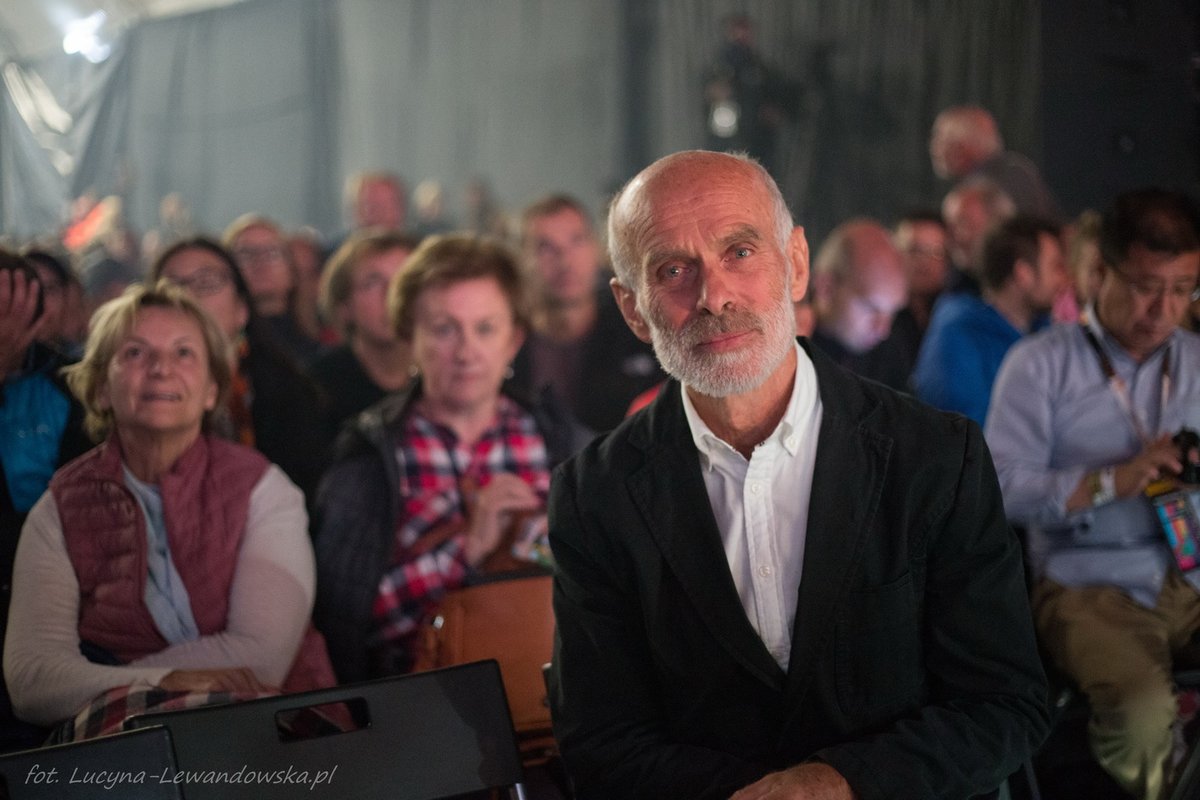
135 765
412 737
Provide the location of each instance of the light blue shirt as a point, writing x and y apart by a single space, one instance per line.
166 597
1053 419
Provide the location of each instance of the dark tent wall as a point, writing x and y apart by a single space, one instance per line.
268 104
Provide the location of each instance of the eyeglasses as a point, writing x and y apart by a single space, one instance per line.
204 283
258 254
1152 290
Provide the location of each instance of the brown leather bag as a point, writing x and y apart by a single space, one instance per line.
507 616
510 619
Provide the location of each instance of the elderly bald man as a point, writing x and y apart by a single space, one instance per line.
778 580
859 284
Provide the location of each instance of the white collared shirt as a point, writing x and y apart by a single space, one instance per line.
761 507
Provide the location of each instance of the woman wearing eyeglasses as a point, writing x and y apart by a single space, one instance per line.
273 406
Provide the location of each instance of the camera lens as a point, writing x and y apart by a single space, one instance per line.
1188 440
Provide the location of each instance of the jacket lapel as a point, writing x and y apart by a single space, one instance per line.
848 481
669 491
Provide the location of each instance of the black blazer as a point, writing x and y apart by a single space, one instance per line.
914 671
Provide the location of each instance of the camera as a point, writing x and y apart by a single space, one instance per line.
1188 440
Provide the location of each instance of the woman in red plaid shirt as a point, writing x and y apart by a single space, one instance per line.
428 485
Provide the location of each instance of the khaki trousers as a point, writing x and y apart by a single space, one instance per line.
1121 655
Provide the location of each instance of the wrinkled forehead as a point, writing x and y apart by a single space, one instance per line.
689 180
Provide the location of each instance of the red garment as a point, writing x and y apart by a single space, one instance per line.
240 393
436 471
206 499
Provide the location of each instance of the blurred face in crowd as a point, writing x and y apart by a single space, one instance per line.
366 308
861 305
158 383
1145 297
74 317
261 255
380 204
464 339
923 247
563 252
1050 275
206 277
967 221
717 285
1087 271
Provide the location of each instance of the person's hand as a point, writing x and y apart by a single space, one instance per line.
238 680
1159 459
812 781
490 510
18 305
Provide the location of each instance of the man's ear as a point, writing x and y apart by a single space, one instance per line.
798 252
627 302
822 290
1024 274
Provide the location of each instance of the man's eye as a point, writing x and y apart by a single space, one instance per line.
742 252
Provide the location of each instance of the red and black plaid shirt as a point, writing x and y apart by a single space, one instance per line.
434 466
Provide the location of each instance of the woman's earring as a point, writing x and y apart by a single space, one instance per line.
414 371
508 373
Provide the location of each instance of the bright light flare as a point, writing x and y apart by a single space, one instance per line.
83 37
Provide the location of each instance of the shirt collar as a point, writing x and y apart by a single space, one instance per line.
803 399
1091 320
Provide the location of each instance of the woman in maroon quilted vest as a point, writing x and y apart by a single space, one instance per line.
164 557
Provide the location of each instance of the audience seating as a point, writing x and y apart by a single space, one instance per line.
411 737
136 765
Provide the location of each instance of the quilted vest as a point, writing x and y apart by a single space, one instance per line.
206 500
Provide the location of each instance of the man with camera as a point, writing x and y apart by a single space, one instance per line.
1083 428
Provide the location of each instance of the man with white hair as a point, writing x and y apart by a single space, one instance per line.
778 580
966 143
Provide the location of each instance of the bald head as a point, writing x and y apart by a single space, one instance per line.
963 137
635 207
859 282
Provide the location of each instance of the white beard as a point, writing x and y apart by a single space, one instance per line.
725 374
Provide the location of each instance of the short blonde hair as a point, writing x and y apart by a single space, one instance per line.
245 222
449 259
109 326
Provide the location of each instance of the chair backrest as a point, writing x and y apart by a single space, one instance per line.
411 737
136 765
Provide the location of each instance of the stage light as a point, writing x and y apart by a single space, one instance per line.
83 37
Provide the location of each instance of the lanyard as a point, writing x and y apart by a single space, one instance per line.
1117 385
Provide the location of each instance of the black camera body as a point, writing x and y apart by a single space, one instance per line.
1188 440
